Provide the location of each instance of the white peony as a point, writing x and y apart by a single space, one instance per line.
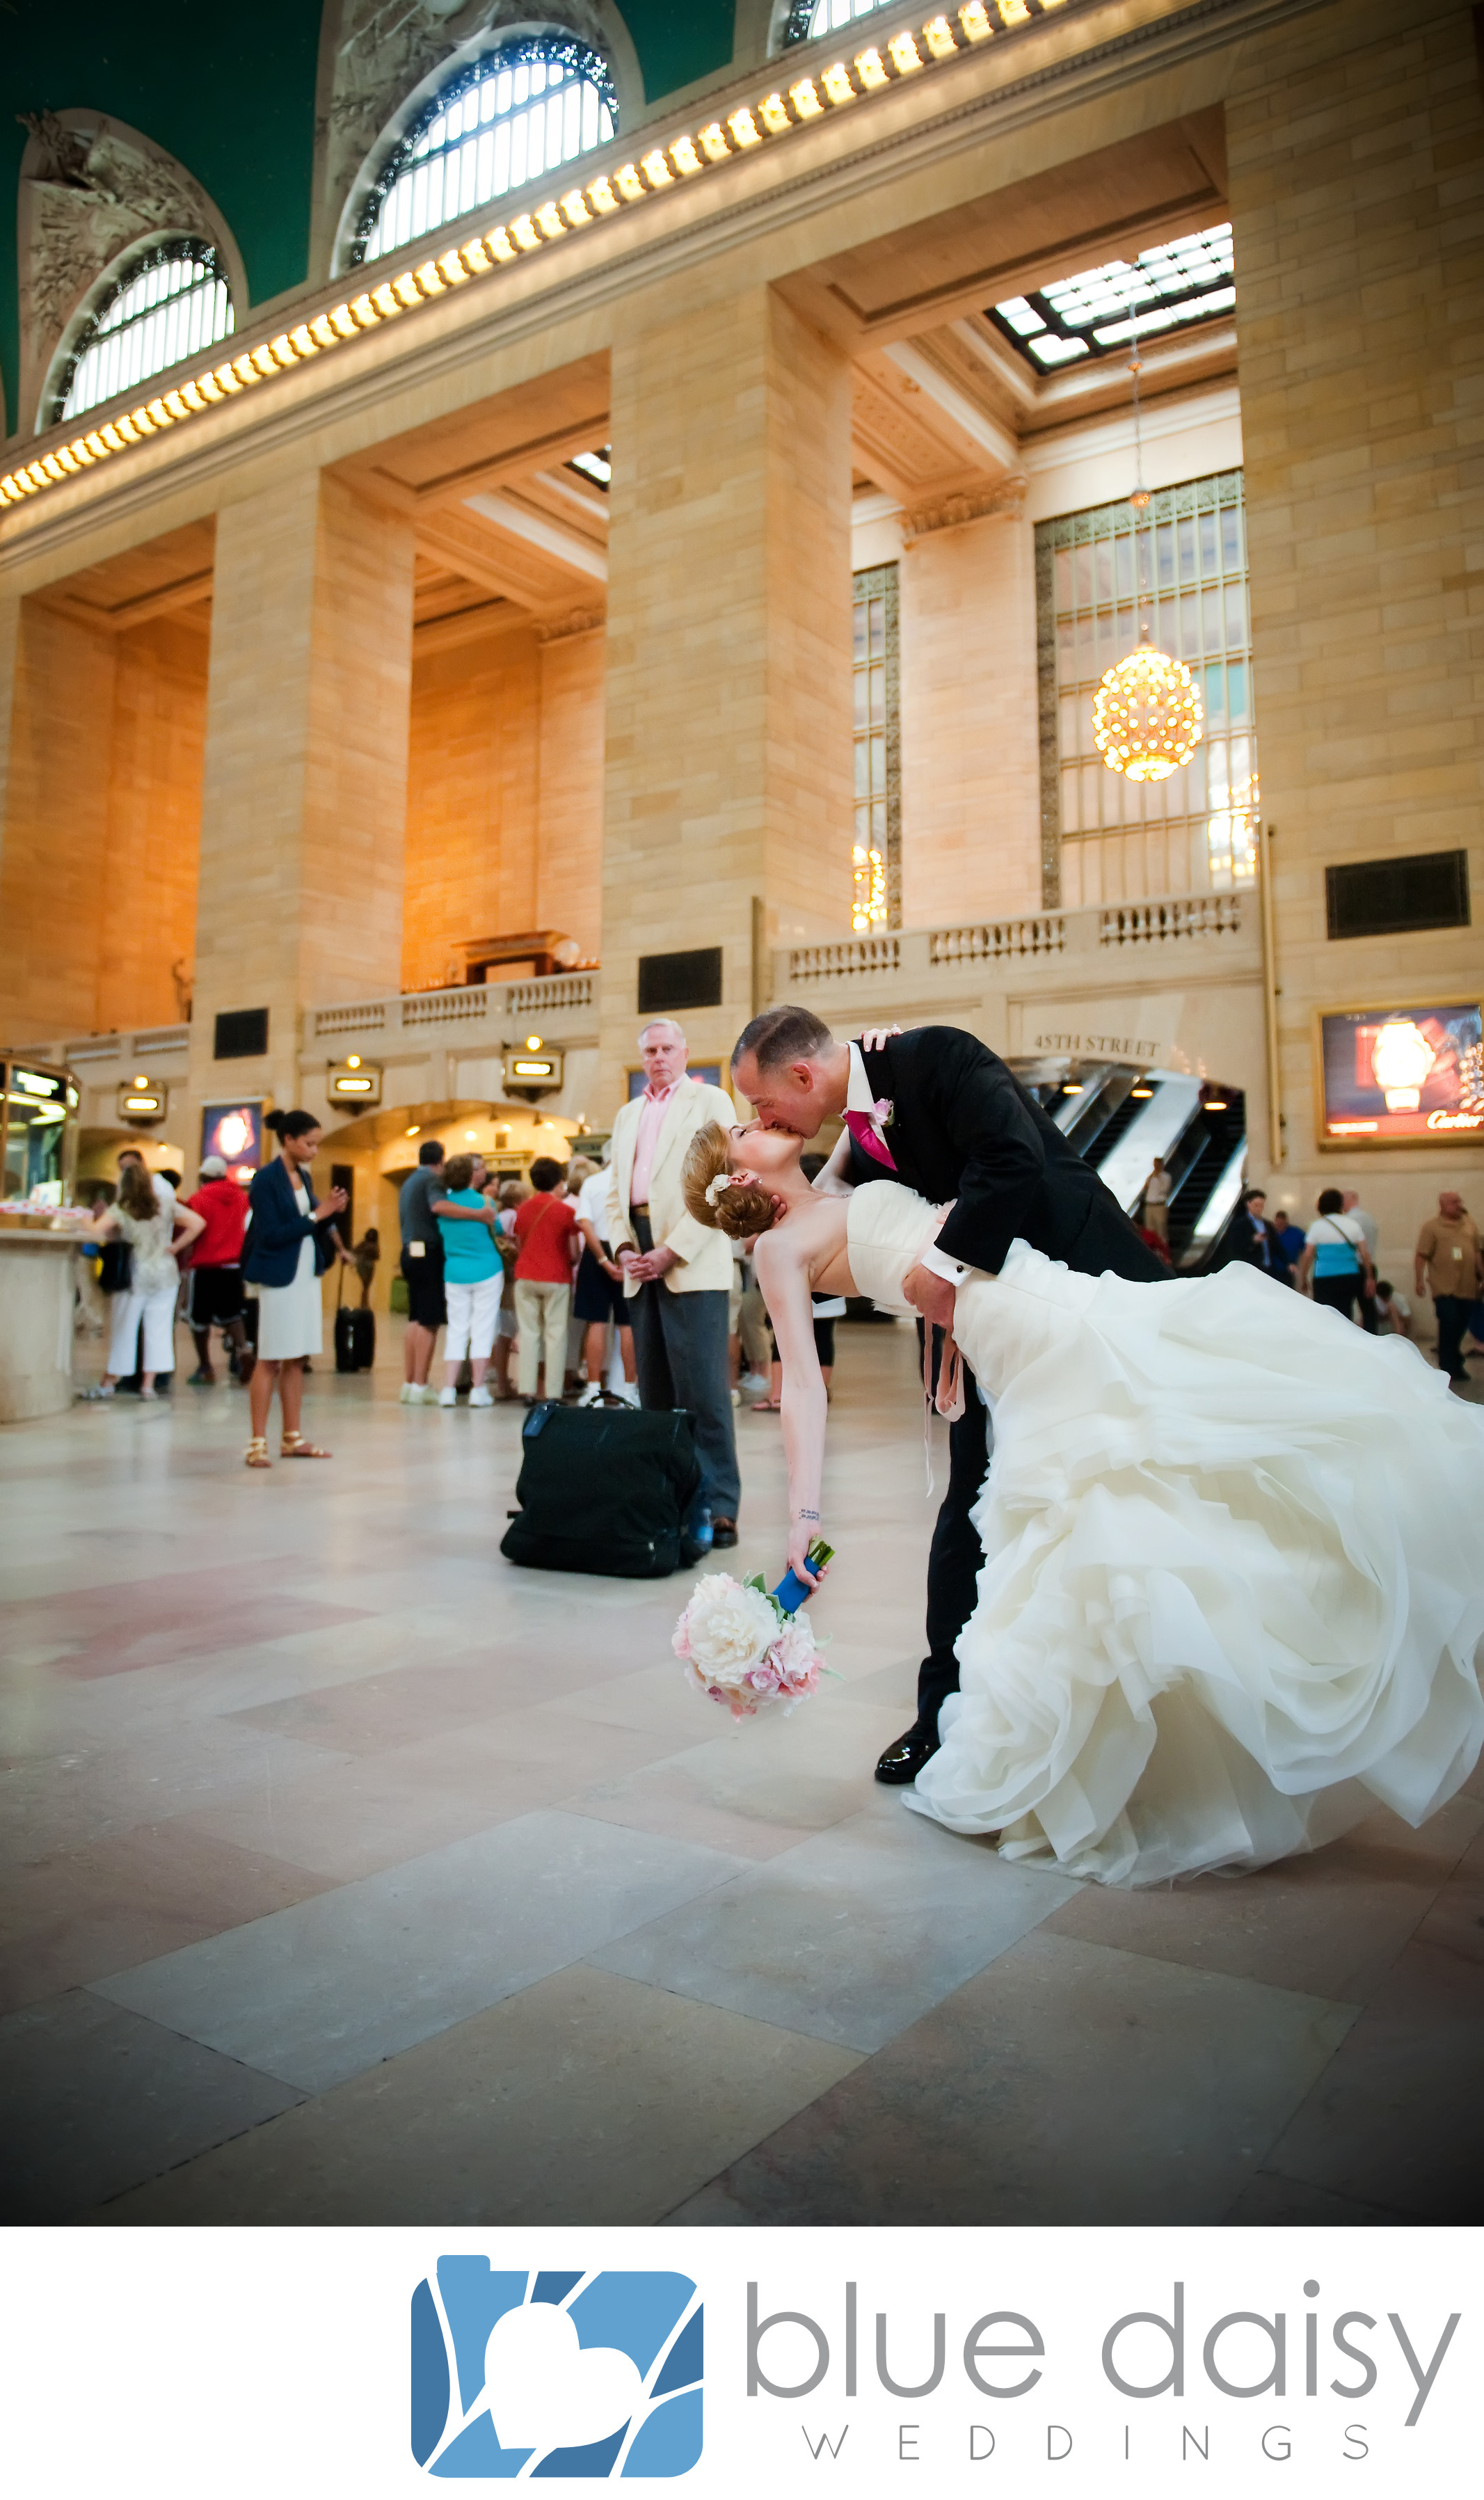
726 1630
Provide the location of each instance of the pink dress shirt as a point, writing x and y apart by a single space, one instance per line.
651 1120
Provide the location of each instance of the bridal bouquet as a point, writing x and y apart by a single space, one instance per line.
743 1648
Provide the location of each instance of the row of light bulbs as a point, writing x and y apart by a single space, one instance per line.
895 59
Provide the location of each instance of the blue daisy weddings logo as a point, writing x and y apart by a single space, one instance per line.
551 2374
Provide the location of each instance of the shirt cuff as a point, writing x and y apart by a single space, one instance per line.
938 1263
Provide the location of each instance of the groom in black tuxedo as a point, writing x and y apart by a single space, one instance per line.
938 1111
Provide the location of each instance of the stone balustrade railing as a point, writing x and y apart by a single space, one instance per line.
139 1048
1153 924
844 959
881 958
988 940
914 954
480 1003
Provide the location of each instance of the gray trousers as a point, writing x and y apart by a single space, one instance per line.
681 1354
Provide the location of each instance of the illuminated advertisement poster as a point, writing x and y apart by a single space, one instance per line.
1402 1074
235 1131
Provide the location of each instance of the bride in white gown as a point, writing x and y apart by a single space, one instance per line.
1232 1594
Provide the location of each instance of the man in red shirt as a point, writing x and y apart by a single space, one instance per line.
546 1237
216 1297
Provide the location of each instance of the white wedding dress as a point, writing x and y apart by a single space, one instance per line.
1232 1593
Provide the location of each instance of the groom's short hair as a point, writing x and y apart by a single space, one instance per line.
780 1034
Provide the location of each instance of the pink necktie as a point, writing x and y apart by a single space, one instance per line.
867 1138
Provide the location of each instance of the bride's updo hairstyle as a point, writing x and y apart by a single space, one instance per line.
739 1211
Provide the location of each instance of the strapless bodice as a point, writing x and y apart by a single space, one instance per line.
1004 1323
886 1227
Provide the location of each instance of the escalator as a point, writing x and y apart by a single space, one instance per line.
1101 1145
1097 1118
1196 1213
1129 1115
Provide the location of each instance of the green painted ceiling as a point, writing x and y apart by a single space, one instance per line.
231 94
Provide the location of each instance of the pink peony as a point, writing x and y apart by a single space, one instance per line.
794 1657
738 1652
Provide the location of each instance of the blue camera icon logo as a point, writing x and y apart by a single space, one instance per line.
560 2376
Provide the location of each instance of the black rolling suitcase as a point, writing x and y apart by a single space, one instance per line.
355 1336
603 1489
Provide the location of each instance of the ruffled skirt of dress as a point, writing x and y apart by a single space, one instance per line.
1233 1581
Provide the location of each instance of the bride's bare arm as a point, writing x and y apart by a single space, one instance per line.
782 1271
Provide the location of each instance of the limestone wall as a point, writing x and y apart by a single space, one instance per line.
1356 141
103 822
474 783
154 822
504 797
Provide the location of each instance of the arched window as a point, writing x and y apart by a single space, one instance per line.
808 18
155 307
505 119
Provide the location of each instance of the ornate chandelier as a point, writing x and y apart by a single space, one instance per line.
1146 712
868 874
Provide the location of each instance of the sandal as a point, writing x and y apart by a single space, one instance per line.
768 1407
295 1446
256 1454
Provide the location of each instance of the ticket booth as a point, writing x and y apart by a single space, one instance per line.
38 1135
38 1260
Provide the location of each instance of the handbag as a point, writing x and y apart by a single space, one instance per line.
115 1268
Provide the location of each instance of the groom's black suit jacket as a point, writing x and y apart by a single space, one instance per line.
964 1128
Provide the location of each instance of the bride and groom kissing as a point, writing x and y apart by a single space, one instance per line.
1212 1599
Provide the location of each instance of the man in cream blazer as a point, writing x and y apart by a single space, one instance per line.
677 1273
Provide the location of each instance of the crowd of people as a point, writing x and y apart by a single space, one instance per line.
593 1278
1335 1261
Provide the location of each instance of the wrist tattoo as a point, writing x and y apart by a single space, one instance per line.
807 1514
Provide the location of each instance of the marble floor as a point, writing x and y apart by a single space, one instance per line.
351 1875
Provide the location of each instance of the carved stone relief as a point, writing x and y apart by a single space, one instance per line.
576 620
1003 502
377 58
89 186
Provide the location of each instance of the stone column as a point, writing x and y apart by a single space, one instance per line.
970 757
56 704
570 848
303 803
728 699
1356 147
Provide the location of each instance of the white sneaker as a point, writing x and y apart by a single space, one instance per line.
446 1396
737 1396
753 1385
629 1394
410 1395
480 1398
592 1394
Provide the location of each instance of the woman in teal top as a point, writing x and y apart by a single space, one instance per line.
1334 1256
471 1277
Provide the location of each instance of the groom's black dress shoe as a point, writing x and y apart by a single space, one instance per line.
901 1762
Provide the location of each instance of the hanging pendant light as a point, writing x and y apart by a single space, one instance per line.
1148 718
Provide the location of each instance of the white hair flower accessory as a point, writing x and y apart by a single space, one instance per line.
714 1188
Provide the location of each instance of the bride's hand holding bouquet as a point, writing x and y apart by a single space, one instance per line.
743 1645
803 1540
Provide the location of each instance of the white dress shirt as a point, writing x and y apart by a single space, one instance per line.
859 1098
